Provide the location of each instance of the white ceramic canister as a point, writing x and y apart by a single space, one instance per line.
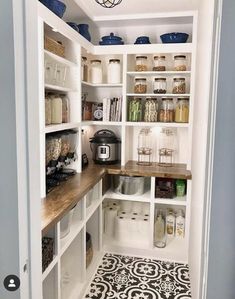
114 71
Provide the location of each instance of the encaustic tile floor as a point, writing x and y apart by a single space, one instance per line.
126 277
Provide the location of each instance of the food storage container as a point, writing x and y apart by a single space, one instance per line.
114 71
179 86
65 109
129 185
141 63
56 109
164 188
160 85
135 109
65 146
47 110
96 72
180 63
166 113
140 85
73 137
167 146
159 63
145 147
151 110
182 110
84 73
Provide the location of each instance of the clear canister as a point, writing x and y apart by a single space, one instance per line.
182 110
84 73
141 64
151 110
96 72
56 109
160 85
180 63
140 85
47 110
159 63
166 113
114 71
135 109
179 86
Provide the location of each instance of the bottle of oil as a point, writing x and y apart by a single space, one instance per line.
159 231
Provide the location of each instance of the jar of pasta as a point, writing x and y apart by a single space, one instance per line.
179 86
141 63
151 110
159 63
180 63
140 85
182 110
166 113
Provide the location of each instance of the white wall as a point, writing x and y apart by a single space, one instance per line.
201 114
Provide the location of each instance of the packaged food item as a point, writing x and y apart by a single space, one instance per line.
182 110
170 223
114 71
180 63
159 63
180 188
160 86
179 86
141 63
180 225
140 85
166 113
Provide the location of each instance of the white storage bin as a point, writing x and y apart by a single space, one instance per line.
129 185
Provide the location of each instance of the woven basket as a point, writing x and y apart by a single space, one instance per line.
47 252
54 46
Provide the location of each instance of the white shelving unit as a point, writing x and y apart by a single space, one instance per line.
70 251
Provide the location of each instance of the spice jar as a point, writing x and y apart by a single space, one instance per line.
166 110
159 85
159 63
47 110
151 110
140 85
135 109
179 86
84 73
96 72
182 110
56 109
180 63
114 71
141 63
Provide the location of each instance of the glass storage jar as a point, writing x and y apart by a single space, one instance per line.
114 71
84 73
141 63
145 147
56 109
151 110
47 110
96 72
179 86
168 146
182 110
166 113
159 63
180 63
160 85
140 85
135 109
65 109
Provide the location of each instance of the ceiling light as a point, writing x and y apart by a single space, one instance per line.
108 3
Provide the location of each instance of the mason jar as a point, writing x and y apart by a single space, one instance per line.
151 110
140 85
182 110
166 113
160 85
135 109
84 73
141 63
180 63
114 71
159 63
179 86
96 72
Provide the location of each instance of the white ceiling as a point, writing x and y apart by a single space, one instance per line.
128 7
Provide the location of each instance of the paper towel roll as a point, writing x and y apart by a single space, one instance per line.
110 215
122 229
126 206
137 207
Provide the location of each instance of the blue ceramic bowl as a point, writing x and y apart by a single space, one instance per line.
111 40
142 40
174 37
73 25
55 6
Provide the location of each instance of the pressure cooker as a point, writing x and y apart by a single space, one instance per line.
105 147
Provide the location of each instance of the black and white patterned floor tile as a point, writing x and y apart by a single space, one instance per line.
124 277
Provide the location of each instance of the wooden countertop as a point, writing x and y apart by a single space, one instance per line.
59 201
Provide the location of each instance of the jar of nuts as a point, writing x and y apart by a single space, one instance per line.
180 63
159 85
141 63
140 85
159 63
166 113
179 86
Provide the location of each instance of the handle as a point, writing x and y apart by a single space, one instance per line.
104 132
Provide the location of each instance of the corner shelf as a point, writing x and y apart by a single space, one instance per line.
60 127
58 88
140 198
177 201
60 59
104 85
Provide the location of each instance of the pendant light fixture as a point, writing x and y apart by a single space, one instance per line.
108 3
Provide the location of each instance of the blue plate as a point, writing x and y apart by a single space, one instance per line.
174 37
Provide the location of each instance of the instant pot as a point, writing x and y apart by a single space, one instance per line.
105 147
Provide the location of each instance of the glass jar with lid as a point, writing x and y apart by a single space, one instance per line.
84 73
151 110
145 147
96 71
47 110
56 109
166 113
159 63
135 109
140 85
180 63
179 86
159 85
141 63
182 110
114 71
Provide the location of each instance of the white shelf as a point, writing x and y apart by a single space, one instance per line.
60 59
157 124
102 85
141 198
92 208
60 127
154 73
101 123
177 201
49 268
156 95
58 88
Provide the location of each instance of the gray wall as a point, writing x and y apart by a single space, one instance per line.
221 272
